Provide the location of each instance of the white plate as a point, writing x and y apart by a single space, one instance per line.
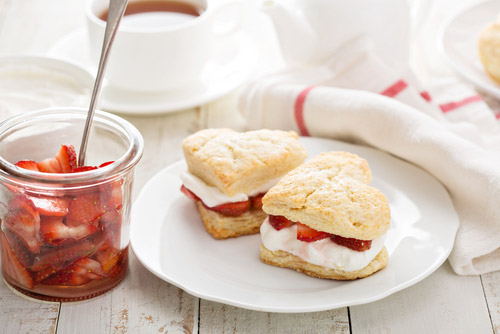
234 59
458 40
169 239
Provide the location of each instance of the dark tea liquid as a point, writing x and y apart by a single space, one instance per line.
158 12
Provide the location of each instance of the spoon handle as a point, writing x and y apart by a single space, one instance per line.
115 14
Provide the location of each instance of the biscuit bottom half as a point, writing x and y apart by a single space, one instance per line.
222 227
284 259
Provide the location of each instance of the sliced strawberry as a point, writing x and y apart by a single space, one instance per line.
27 164
83 169
104 164
307 234
12 267
60 257
78 273
66 158
354 244
55 232
232 209
13 189
111 227
189 194
120 265
23 220
85 209
51 206
39 276
108 258
50 165
257 201
113 195
92 266
280 222
22 253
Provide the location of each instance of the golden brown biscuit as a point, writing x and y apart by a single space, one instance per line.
238 162
489 50
235 162
330 193
286 260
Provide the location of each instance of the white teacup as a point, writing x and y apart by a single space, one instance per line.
160 48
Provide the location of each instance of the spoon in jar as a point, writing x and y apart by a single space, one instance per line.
115 14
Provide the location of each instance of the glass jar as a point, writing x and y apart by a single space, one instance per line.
64 236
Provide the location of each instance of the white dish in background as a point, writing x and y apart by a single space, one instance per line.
169 239
33 82
232 63
458 40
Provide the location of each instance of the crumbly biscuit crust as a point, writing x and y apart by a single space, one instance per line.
284 259
238 162
330 193
489 50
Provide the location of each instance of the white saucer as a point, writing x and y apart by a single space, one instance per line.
458 40
234 59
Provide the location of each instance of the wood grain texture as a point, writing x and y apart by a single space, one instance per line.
224 319
442 303
162 136
23 315
142 303
491 285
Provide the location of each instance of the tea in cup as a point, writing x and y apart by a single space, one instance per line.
161 44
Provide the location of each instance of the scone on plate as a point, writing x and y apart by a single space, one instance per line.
229 172
325 220
489 50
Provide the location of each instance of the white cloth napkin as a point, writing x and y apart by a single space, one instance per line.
448 131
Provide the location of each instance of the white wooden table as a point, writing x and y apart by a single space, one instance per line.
143 303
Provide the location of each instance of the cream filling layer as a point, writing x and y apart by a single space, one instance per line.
212 196
323 252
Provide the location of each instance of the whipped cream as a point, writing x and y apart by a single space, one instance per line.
323 252
212 196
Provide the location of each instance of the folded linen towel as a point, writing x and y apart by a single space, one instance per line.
357 98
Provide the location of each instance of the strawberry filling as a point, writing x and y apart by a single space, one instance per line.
307 234
229 209
68 239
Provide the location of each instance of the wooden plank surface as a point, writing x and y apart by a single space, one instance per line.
143 303
22 315
225 319
442 303
491 285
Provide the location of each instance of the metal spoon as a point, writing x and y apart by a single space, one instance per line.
115 14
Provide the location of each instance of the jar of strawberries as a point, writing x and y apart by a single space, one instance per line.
64 228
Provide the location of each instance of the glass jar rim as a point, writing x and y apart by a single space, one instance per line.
127 161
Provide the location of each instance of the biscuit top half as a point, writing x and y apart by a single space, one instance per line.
330 193
239 162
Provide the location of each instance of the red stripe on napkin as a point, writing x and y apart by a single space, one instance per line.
395 89
299 111
457 104
426 96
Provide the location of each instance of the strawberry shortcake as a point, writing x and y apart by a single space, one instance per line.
228 173
325 220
